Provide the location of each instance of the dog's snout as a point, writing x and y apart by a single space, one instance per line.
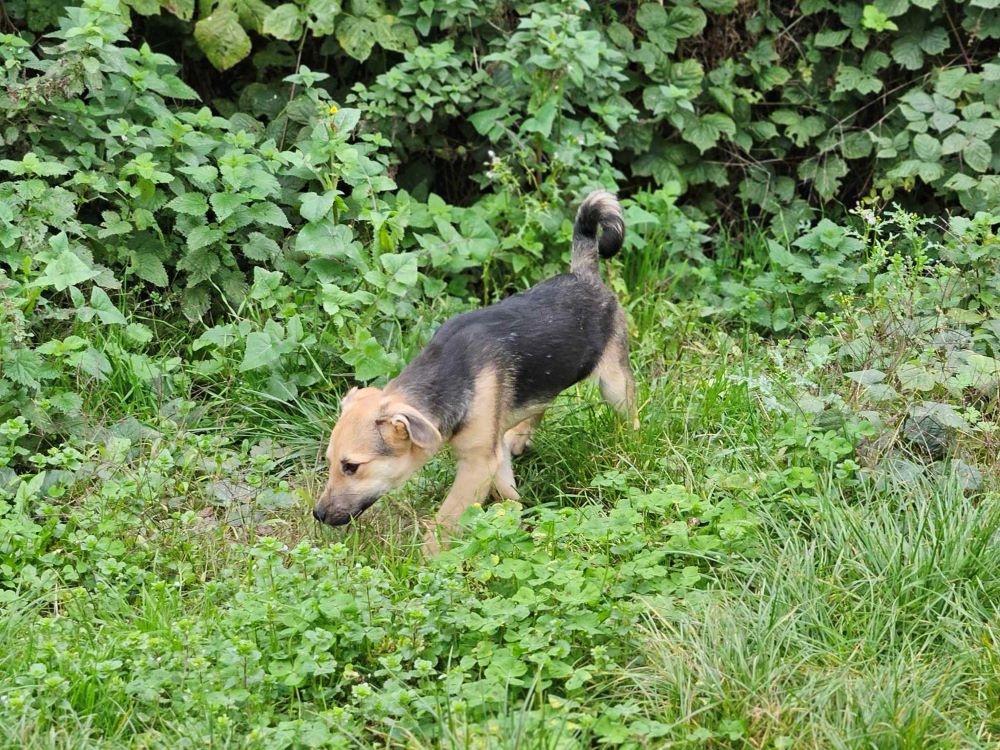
338 513
331 514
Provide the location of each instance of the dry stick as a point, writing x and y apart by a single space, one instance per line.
5 17
291 94
961 47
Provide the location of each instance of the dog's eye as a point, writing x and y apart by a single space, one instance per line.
348 468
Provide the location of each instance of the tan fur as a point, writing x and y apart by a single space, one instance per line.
490 436
518 437
389 439
478 454
614 377
355 438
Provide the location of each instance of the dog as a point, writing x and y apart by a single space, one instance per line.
483 383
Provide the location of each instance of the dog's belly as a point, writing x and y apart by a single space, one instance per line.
520 413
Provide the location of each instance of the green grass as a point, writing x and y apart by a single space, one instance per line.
870 624
741 613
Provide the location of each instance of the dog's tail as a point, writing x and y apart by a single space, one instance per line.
601 210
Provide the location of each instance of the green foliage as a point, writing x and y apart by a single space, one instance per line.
193 266
897 98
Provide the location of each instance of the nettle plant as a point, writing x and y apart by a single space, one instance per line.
117 195
768 107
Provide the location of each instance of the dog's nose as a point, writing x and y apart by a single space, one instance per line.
317 515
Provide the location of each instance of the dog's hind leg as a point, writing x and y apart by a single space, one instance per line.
518 437
614 376
503 482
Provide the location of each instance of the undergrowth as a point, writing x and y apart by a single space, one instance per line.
796 549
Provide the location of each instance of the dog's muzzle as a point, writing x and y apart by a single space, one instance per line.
332 515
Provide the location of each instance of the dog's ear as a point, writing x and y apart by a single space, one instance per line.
408 424
347 397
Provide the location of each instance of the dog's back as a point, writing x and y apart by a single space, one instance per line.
542 340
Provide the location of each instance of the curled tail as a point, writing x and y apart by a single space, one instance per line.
599 209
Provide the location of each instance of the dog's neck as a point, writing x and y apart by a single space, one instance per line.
431 397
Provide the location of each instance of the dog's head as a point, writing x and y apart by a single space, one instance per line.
377 444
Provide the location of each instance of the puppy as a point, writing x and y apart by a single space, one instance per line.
484 382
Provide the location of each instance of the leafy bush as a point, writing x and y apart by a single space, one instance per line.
772 104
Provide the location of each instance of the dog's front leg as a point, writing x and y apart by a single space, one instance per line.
474 477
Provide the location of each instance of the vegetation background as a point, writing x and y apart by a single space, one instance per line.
216 216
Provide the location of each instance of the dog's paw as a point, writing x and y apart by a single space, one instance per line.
518 444
432 545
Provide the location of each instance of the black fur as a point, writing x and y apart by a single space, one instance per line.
540 341
599 210
544 339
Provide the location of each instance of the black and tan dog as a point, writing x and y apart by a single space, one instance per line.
483 383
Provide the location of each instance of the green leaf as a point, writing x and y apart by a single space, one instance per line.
368 358
252 13
543 118
356 36
200 264
30 164
148 267
826 173
284 22
392 35
191 204
261 351
978 155
857 145
402 267
651 17
260 247
850 78
226 204
321 16
718 6
906 51
105 309
222 38
927 147
961 182
800 129
705 132
183 9
866 377
686 21
488 119
202 236
138 333
23 366
874 19
324 239
893 7
221 337
315 207
269 213
195 302
831 38
930 171
914 378
935 40
65 271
